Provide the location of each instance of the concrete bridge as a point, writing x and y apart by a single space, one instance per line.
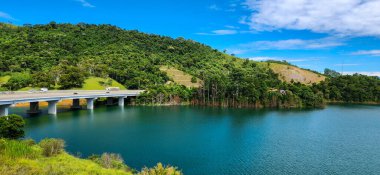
53 97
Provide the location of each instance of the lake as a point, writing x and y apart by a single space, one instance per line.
340 139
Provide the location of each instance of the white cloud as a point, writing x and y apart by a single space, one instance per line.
291 60
363 73
6 16
347 65
367 52
263 58
214 7
291 44
86 4
231 27
220 32
339 17
224 32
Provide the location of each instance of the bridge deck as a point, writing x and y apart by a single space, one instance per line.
20 97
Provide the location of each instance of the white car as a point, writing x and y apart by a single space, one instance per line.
44 90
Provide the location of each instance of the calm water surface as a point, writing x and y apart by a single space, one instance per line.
341 139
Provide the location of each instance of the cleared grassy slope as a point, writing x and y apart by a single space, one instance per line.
94 83
4 79
17 157
180 77
288 73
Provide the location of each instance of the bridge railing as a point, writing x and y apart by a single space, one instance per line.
67 91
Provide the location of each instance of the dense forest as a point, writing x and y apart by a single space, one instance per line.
349 88
61 56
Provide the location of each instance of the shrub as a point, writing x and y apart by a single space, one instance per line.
11 127
29 142
18 81
193 79
52 147
110 161
159 169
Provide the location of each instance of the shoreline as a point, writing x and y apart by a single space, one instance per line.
353 103
45 104
83 102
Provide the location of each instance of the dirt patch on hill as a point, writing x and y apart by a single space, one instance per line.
181 77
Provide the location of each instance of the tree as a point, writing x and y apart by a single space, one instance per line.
72 77
331 73
18 81
11 127
193 79
43 79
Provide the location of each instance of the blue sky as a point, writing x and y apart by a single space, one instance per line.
341 35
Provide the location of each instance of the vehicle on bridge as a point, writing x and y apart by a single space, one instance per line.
112 88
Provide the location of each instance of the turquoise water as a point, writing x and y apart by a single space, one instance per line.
340 139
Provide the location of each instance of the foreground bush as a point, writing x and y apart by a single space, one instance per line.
11 127
52 147
159 169
110 161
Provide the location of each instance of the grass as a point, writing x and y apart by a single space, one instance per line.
16 149
4 79
29 88
288 73
18 157
94 83
180 77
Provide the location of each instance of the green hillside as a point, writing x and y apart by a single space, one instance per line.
66 55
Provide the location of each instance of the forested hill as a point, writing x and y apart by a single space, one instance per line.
130 57
62 56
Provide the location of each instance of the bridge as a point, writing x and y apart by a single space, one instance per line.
53 97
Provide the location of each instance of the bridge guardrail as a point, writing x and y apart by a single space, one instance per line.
64 91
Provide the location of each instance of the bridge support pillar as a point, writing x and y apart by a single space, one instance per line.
4 110
76 104
52 107
109 101
34 108
90 103
121 101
